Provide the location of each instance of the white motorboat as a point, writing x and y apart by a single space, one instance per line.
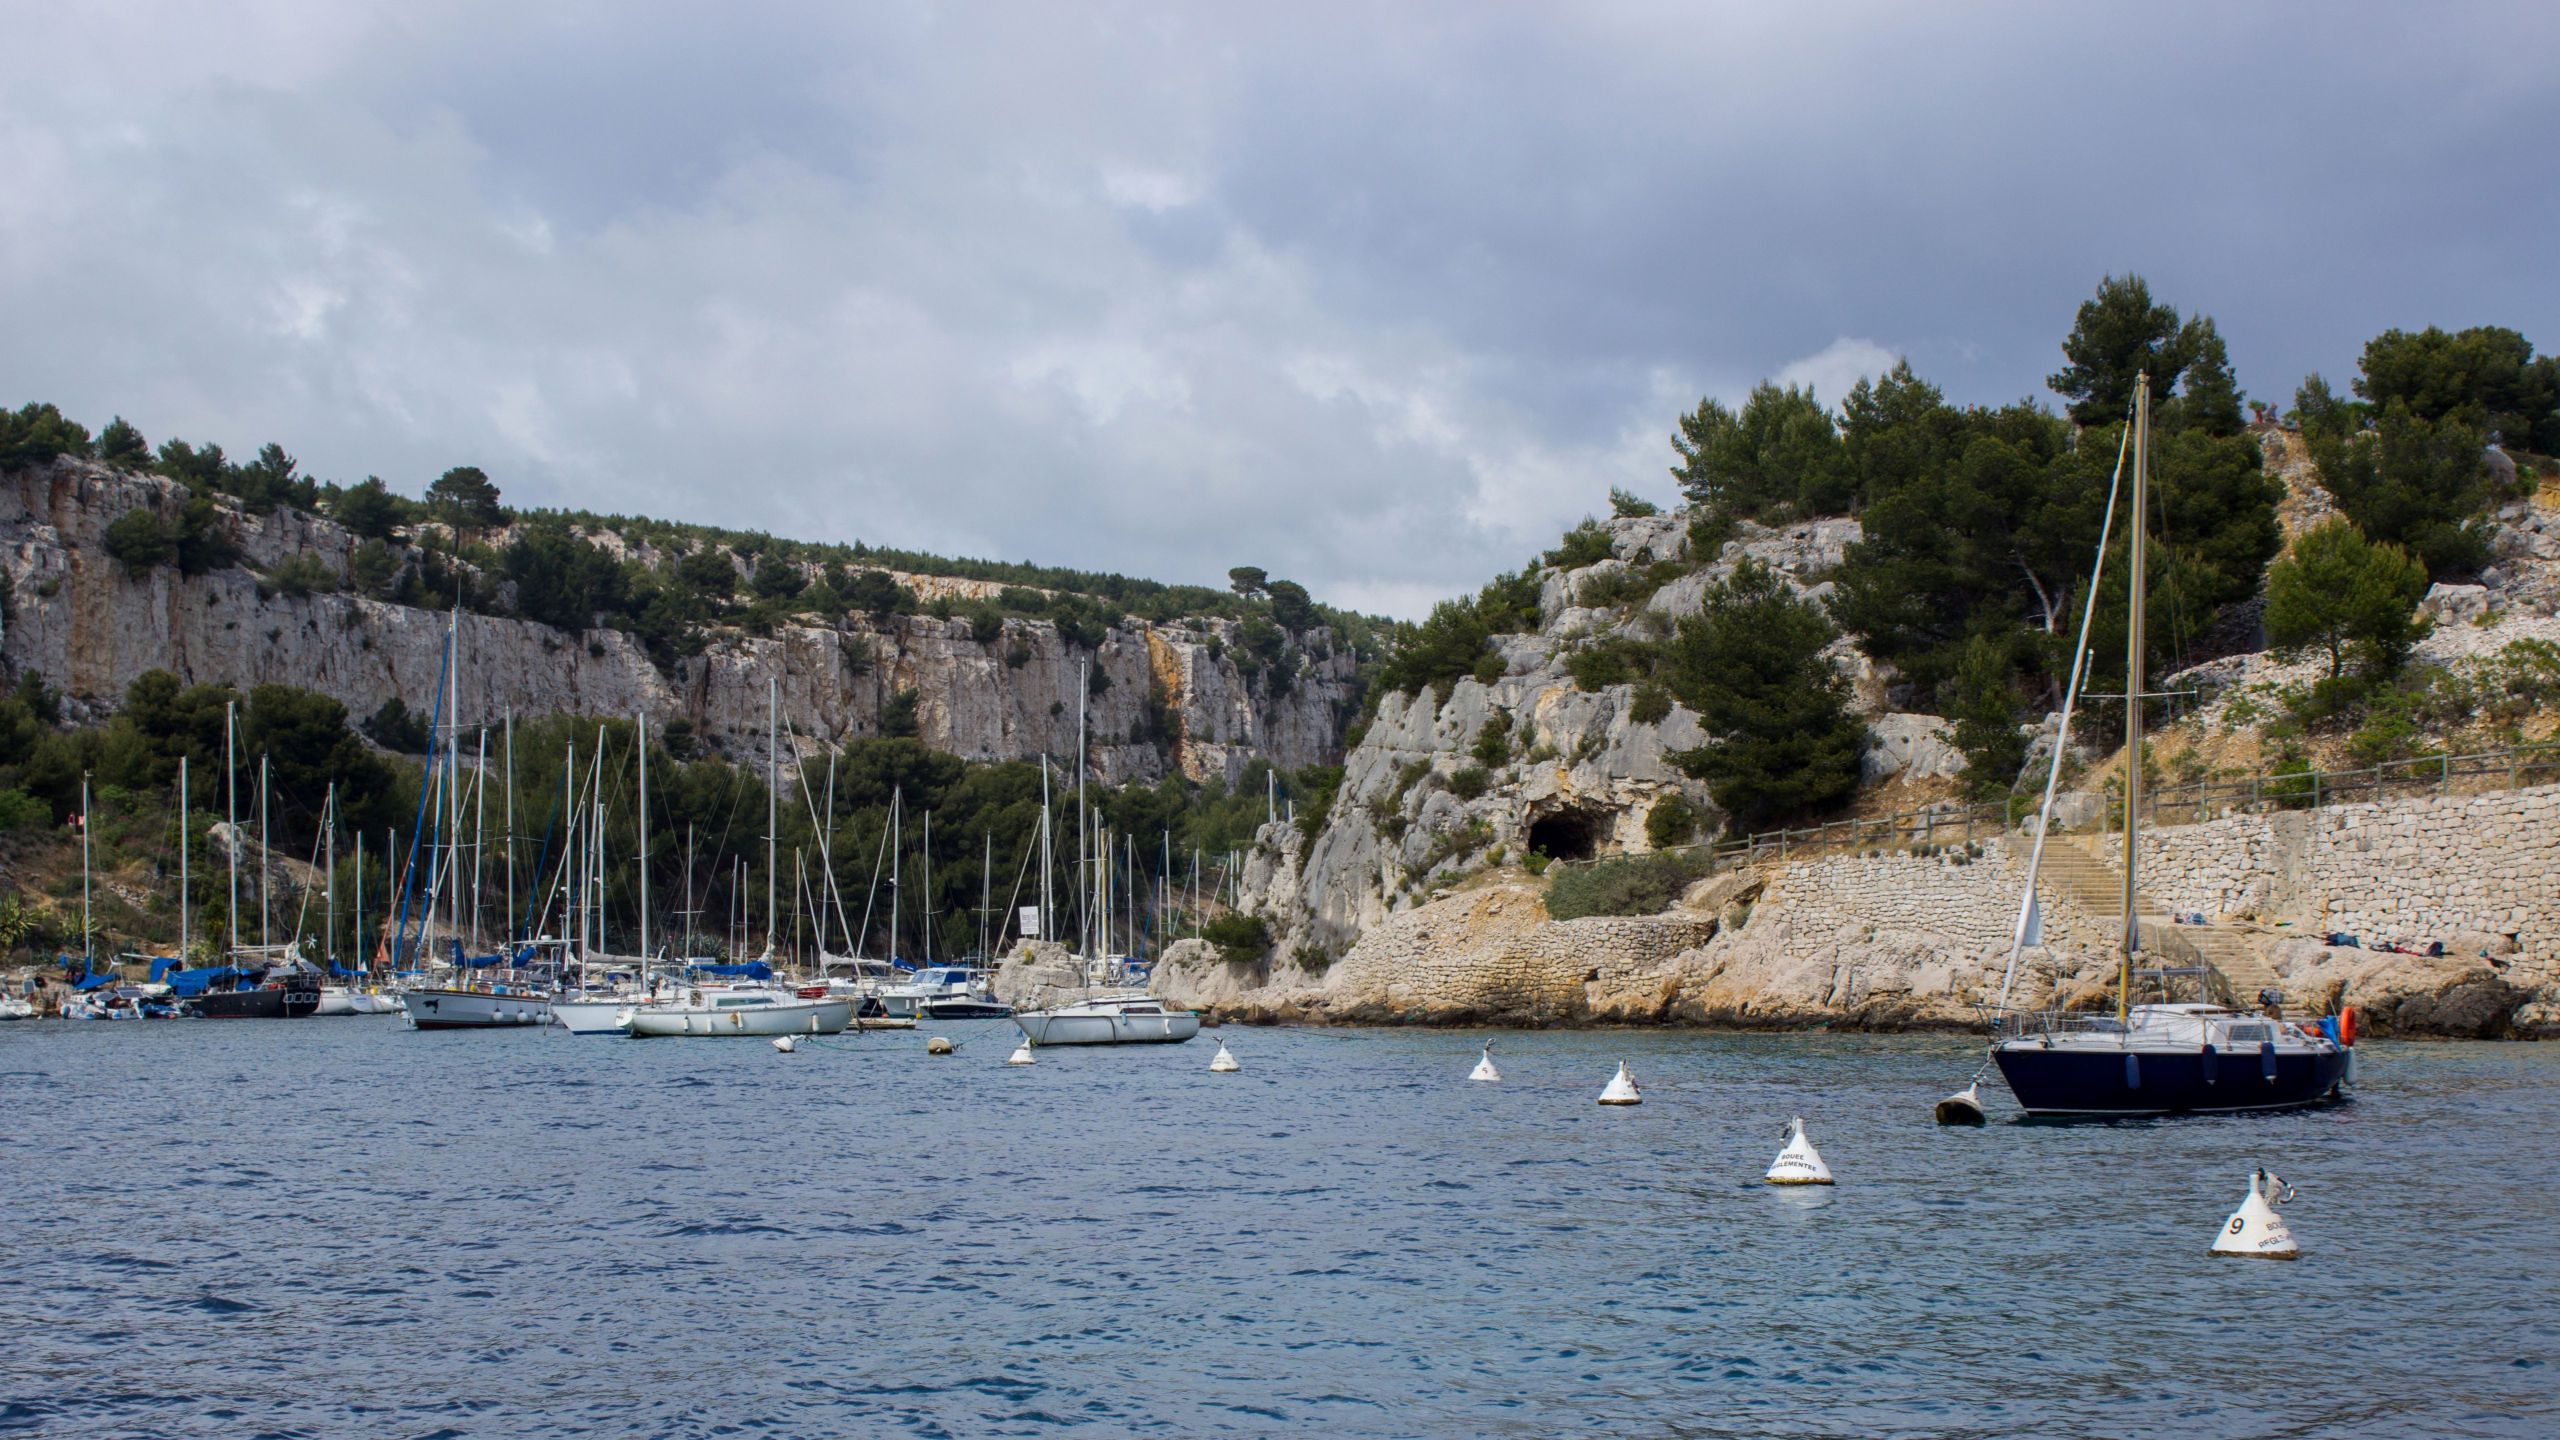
1125 1019
737 1011
588 1013
348 1000
947 992
13 1007
476 1006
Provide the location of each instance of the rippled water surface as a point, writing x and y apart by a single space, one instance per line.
343 1226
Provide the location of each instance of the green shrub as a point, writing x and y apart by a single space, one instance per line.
138 539
1493 742
1651 705
1672 821
1624 885
22 811
1585 544
1470 782
302 574
1241 939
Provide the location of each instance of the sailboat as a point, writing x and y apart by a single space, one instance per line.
2162 1058
507 998
1110 1012
705 1008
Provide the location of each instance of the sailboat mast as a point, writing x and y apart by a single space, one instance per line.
1047 862
265 866
986 863
644 841
509 744
231 809
1084 876
2133 692
185 893
925 858
88 933
329 886
479 823
772 801
453 771
897 857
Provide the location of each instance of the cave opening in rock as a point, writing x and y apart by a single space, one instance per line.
1567 834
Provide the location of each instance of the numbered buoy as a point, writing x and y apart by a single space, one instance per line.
1484 1068
938 1045
1622 1089
1021 1054
1223 1063
786 1043
2255 1231
1963 1107
1799 1163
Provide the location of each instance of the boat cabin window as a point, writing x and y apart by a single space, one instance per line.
729 1001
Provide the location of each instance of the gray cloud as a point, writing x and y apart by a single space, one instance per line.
1376 300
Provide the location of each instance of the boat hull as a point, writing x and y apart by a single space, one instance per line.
796 1017
2095 1081
956 1009
259 1004
590 1017
473 1009
1171 1028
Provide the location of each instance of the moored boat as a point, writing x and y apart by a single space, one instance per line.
737 1011
1128 1019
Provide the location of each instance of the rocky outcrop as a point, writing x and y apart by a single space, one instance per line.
1484 772
90 626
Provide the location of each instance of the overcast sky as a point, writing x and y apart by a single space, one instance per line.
1377 297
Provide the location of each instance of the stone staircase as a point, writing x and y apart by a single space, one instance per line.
2236 972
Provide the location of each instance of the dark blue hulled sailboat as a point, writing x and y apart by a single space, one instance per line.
2156 1059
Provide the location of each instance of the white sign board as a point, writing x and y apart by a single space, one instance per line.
1030 922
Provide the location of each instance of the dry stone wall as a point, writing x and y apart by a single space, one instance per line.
2476 872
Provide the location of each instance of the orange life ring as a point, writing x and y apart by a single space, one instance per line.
2347 1026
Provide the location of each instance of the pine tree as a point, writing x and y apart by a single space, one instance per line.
2119 333
1750 663
2343 594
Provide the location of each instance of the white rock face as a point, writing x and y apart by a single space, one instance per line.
1909 747
89 627
1579 774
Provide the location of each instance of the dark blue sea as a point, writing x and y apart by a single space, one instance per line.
344 1227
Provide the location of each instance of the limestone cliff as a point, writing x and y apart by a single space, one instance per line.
89 626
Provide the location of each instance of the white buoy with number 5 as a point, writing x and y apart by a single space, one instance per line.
1021 1054
1622 1089
1799 1163
1484 1068
1223 1063
786 1043
2255 1231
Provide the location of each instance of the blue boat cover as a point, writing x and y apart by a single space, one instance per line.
191 983
163 964
752 970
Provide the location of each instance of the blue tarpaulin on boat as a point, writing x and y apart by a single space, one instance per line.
752 970
92 982
163 964
195 982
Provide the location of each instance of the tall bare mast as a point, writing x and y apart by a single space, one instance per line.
644 840
2133 692
185 893
453 771
772 802
1084 857
509 928
231 809
265 868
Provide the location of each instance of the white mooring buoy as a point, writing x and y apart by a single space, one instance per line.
2255 1230
938 1045
1484 1068
786 1043
1223 1063
1622 1089
1021 1054
1963 1107
1799 1163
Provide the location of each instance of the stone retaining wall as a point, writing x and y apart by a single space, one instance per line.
2474 871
